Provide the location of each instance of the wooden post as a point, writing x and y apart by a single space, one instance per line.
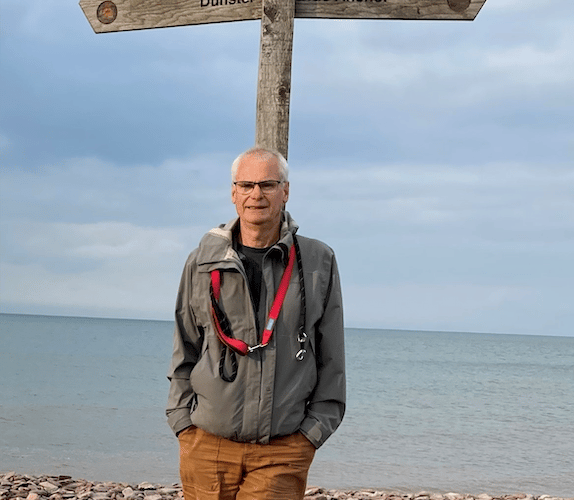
274 81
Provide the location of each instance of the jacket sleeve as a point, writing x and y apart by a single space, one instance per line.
187 341
326 406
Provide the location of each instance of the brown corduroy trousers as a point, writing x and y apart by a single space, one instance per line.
214 468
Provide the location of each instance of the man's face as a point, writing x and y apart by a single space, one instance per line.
257 208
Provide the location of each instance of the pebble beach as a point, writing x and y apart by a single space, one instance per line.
16 486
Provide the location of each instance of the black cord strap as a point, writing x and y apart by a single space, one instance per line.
301 335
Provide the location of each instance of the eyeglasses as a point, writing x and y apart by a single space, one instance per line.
267 187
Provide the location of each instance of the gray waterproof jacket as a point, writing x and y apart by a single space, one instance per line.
274 394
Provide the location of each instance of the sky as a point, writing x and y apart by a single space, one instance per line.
435 157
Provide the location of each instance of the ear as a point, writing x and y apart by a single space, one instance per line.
233 194
286 192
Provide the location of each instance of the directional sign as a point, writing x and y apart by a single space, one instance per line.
126 15
389 9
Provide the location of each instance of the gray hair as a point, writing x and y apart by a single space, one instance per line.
265 153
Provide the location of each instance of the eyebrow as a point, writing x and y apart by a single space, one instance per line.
258 182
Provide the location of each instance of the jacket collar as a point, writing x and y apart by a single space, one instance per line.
217 244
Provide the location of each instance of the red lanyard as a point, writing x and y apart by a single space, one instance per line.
238 345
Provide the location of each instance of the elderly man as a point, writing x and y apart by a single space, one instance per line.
258 370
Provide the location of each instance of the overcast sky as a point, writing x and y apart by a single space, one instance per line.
436 158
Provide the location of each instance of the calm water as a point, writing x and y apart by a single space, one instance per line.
437 411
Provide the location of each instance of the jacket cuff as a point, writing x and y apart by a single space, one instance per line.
311 429
179 420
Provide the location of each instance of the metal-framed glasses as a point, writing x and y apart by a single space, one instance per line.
266 187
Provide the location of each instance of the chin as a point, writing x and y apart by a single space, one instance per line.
258 220
257 215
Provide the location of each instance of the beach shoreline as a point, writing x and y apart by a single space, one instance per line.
60 487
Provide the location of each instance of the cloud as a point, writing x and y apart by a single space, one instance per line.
441 307
369 64
435 157
86 231
517 5
83 233
491 308
99 97
439 247
496 199
114 266
89 189
99 241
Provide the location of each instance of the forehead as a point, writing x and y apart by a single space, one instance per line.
258 167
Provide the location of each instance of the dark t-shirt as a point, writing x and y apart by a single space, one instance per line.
252 259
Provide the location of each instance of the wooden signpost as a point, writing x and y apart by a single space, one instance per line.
277 20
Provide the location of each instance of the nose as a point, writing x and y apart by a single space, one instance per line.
257 193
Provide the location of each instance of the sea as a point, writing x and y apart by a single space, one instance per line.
436 411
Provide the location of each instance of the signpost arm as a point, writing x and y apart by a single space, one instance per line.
274 81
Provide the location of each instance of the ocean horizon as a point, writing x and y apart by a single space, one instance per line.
440 411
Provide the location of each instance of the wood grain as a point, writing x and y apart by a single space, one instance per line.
149 14
465 10
274 80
